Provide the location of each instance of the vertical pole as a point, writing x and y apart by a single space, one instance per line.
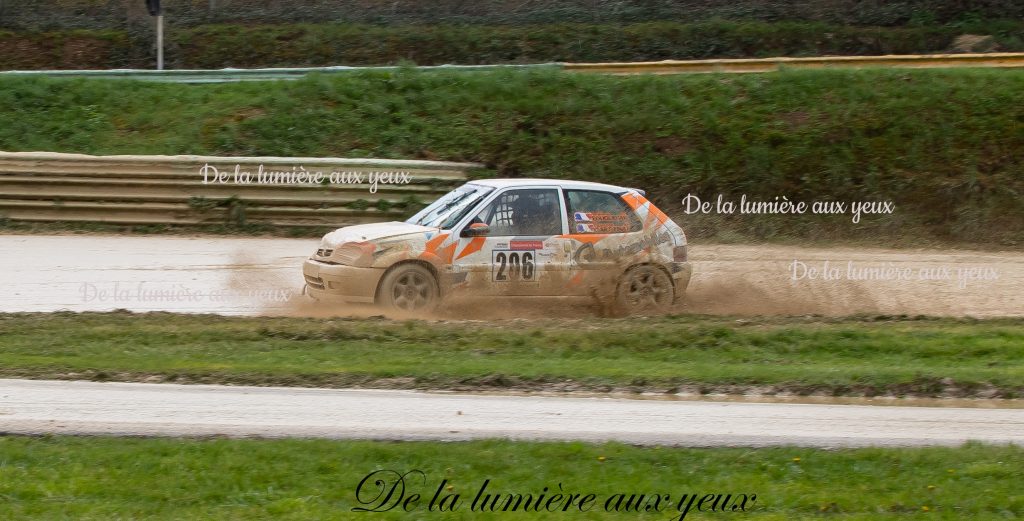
160 42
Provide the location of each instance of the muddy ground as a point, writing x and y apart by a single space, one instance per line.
262 276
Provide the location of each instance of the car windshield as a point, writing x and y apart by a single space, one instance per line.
451 208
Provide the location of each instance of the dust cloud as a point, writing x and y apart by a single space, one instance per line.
747 280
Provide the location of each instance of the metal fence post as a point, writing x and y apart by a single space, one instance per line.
160 42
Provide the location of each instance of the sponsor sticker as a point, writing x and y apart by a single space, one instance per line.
601 227
599 216
526 245
601 222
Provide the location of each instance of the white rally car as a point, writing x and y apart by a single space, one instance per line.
510 238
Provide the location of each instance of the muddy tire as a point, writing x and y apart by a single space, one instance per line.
643 290
409 288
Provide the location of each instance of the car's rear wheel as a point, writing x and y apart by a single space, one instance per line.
644 289
409 287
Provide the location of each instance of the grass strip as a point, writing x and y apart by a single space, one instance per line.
848 356
112 478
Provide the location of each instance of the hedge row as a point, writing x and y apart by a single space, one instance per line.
217 46
112 14
73 49
946 146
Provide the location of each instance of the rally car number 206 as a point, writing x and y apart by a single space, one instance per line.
510 238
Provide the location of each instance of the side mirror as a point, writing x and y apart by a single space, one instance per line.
476 230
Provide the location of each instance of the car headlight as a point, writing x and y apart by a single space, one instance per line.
358 254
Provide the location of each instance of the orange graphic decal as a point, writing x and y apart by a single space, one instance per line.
434 243
634 200
660 215
473 247
447 253
585 237
431 253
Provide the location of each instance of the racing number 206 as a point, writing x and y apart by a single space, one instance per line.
514 265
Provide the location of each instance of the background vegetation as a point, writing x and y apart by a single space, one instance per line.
80 34
325 44
107 14
946 146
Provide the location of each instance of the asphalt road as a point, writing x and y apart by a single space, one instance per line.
262 276
62 407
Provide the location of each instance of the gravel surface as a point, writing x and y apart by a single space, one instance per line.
62 407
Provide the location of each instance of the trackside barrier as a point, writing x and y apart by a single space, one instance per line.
197 190
913 61
917 61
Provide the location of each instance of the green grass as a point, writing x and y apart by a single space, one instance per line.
111 478
945 146
926 357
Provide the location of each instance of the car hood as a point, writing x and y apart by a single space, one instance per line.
371 232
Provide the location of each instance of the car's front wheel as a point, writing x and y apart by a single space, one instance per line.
409 287
644 289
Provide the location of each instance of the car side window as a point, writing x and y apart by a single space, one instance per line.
599 212
531 211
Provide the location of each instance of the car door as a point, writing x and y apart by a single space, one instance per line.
524 252
604 234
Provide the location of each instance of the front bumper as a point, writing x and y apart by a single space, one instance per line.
340 283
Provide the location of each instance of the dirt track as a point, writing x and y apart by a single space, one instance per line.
760 280
263 276
44 407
